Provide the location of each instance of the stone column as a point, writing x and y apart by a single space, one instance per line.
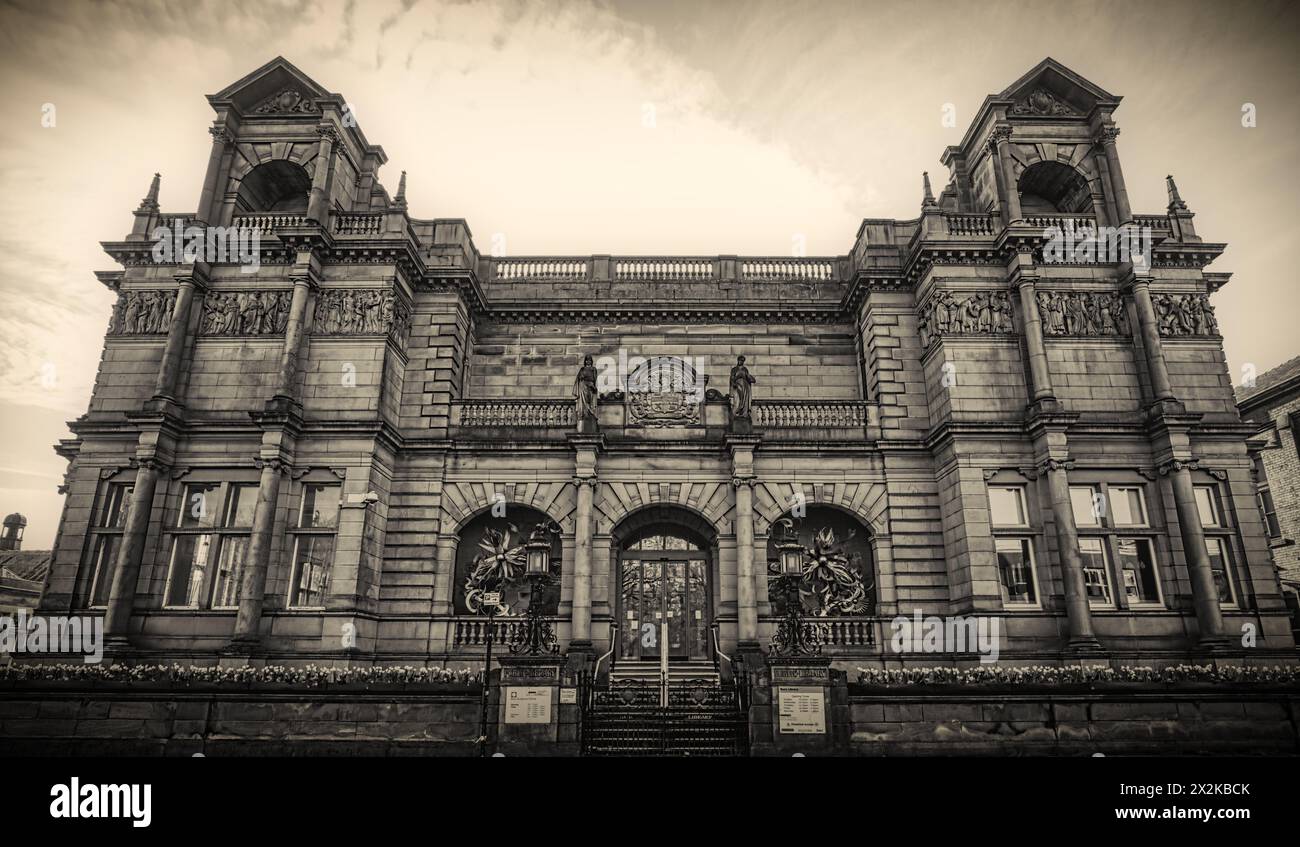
177 338
746 596
318 203
1081 636
1106 138
586 448
208 198
1000 146
126 567
252 587
1040 375
1205 594
293 334
581 606
1157 369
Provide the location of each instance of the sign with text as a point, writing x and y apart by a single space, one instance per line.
801 709
569 695
527 704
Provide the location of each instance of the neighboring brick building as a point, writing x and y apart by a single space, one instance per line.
1272 404
333 459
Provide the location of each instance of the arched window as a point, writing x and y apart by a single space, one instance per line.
278 186
491 557
1047 187
838 578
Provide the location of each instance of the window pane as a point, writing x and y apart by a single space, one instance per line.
241 502
1095 578
189 567
1219 565
1016 570
672 542
1270 513
320 507
230 572
112 512
105 557
1207 503
199 506
1137 564
1126 507
652 542
311 570
1086 506
1008 506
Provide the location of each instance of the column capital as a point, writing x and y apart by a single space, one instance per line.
743 481
1175 465
1106 135
1049 465
591 481
328 132
220 134
278 464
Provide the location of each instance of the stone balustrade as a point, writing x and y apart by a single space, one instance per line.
268 222
540 268
358 223
472 630
499 413
982 225
801 414
664 268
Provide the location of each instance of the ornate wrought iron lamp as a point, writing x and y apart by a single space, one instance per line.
535 636
794 635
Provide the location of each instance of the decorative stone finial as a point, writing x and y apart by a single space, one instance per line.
150 201
1176 203
929 195
400 197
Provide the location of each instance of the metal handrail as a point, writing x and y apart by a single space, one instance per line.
613 644
717 647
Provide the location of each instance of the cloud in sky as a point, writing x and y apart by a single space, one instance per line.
619 127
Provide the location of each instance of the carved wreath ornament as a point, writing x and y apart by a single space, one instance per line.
831 579
501 561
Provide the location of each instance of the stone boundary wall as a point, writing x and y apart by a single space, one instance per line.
1074 721
45 719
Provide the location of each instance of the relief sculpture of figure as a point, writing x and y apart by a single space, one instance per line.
1001 305
742 392
584 393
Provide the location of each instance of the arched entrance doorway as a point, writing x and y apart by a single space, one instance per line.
664 586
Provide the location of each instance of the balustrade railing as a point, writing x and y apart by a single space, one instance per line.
268 222
844 633
1156 222
472 631
664 268
847 414
970 224
496 413
1062 222
796 269
358 223
541 268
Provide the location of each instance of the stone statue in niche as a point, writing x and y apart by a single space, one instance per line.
982 312
742 390
245 313
142 313
1188 314
584 395
1082 313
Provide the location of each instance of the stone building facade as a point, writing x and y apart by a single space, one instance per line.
1272 406
337 455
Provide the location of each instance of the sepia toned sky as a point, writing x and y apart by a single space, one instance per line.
613 127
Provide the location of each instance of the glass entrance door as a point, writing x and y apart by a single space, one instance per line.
664 581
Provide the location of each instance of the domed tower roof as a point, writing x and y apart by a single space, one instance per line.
15 519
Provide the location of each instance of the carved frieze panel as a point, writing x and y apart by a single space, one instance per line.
245 313
362 311
1082 313
142 313
1185 314
977 313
